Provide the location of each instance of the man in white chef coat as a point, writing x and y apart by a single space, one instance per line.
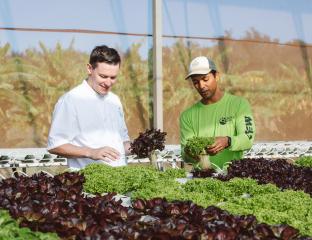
88 122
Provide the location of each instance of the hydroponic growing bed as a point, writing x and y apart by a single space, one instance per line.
161 206
265 196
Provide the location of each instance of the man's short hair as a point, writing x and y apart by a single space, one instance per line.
104 54
213 72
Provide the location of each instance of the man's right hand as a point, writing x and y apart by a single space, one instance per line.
219 145
103 153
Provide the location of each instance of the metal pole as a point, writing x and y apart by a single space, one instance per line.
157 65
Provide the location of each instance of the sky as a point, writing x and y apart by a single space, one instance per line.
284 20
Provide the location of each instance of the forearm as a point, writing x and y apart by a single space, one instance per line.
246 129
72 151
240 142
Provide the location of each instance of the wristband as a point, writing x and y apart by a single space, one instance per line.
229 141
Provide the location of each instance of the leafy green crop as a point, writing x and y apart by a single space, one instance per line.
101 178
239 196
171 173
9 229
242 196
166 188
198 145
305 161
291 207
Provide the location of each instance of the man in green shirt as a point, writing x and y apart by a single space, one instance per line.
218 114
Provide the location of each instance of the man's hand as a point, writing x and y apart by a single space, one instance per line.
219 144
104 153
72 151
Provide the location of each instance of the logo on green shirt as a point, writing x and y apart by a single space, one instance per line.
249 129
224 120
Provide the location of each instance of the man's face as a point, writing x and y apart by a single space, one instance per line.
103 77
205 84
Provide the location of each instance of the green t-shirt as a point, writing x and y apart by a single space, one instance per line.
230 116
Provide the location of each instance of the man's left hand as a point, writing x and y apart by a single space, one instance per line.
219 144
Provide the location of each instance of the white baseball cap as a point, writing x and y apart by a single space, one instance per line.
201 65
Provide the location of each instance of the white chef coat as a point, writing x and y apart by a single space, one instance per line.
84 118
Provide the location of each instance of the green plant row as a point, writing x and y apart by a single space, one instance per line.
305 161
239 196
9 229
101 178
